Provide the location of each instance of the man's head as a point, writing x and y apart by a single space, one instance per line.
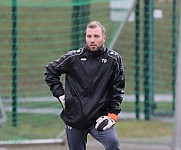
95 35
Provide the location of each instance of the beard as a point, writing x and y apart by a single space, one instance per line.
94 48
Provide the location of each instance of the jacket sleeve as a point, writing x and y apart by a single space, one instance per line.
117 86
53 71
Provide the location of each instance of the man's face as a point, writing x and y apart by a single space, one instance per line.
95 38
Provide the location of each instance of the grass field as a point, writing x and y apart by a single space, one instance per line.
50 126
47 126
133 135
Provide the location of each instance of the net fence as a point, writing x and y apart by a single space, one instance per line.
33 33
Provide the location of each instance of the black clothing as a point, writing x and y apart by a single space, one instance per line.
94 84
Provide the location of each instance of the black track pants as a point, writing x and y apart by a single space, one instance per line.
77 139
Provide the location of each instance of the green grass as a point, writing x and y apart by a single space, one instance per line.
36 126
142 129
130 106
50 126
32 127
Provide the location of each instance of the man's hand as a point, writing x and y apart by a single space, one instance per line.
62 101
104 123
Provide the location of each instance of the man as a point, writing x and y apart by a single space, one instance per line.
93 90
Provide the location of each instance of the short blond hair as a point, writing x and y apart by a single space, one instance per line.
95 24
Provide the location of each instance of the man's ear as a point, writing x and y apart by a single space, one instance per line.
104 37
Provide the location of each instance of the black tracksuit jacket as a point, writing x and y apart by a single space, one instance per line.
94 84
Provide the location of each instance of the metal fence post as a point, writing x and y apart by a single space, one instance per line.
137 59
174 50
14 62
148 58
